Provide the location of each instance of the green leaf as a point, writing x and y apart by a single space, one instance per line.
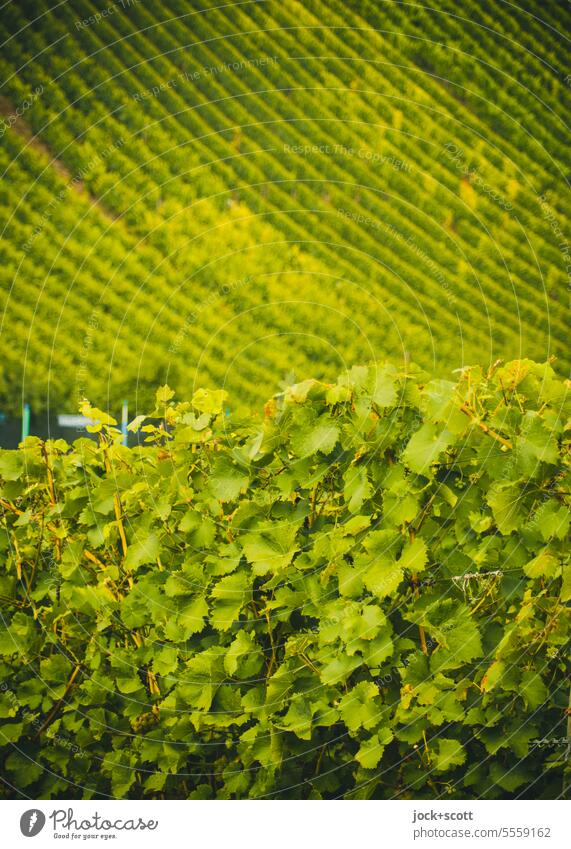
510 375
545 565
202 677
209 401
134 426
370 752
414 556
384 390
350 580
298 718
509 778
505 501
297 393
129 683
227 481
355 525
244 658
426 446
383 577
552 520
142 550
439 400
10 732
164 395
11 465
191 618
156 781
535 444
357 487
533 689
279 685
23 770
447 753
316 435
200 528
55 669
338 394
270 548
231 593
338 670
165 661
97 415
358 707
399 509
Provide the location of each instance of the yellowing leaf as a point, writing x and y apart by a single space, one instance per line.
209 400
545 565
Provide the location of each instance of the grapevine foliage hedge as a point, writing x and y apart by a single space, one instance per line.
361 593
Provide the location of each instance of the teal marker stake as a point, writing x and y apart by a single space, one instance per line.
25 421
124 420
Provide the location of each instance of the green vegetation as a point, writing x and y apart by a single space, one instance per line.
223 196
361 594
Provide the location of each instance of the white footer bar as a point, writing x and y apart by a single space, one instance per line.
287 824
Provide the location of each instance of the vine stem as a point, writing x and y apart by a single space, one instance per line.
13 509
468 412
421 631
116 502
53 713
422 635
319 759
94 559
312 504
7 506
52 493
273 657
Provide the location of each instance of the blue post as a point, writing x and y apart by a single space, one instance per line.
124 420
25 421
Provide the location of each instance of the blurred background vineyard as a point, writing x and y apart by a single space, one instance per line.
235 194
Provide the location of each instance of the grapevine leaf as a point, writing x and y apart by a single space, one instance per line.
448 753
425 447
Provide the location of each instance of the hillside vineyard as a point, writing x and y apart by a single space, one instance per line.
233 194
